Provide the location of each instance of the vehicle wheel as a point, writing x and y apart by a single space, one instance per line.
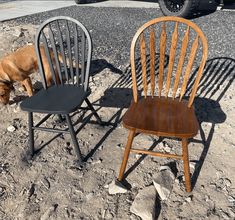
80 1
181 8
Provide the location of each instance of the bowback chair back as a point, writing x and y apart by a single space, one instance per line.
63 49
165 52
179 40
66 44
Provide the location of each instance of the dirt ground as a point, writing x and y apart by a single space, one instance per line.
52 186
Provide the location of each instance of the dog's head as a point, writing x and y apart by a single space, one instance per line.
5 90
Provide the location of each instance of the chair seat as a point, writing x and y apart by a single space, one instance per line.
162 117
56 99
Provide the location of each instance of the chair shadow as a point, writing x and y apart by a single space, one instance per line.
218 75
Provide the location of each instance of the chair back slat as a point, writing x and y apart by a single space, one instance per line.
69 51
49 58
83 58
143 63
76 45
53 43
162 58
174 42
152 60
181 50
189 67
197 80
67 47
61 46
181 61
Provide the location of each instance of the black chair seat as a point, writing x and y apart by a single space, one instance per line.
56 99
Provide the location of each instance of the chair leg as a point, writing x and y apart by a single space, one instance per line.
31 134
126 155
74 139
186 164
93 111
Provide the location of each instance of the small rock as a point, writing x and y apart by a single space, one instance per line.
96 161
167 149
164 167
109 215
89 196
45 182
163 182
31 191
193 165
144 204
116 187
119 145
48 212
90 160
188 199
11 128
100 148
18 32
161 146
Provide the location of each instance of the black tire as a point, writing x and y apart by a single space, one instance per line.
80 1
180 8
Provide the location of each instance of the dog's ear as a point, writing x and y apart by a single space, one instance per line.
11 71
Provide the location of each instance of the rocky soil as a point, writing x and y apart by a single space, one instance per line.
53 186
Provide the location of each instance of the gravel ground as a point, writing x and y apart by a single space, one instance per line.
52 187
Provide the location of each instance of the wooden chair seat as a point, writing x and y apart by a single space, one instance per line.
162 117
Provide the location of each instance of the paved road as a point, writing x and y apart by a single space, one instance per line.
113 28
14 9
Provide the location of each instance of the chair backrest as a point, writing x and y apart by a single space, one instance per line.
182 47
67 45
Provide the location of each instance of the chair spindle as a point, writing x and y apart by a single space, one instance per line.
174 42
162 58
181 61
143 63
189 67
152 60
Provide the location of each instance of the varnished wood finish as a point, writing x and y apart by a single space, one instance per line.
189 67
143 63
162 21
174 42
162 58
162 117
158 115
152 60
152 153
126 154
181 61
186 164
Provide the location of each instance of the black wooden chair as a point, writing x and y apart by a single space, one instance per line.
63 49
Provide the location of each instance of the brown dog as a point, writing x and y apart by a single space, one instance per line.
17 67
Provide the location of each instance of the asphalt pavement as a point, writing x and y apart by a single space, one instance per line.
112 29
11 9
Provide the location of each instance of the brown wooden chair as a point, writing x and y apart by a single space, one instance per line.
163 110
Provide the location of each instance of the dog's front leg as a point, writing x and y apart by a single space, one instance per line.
27 84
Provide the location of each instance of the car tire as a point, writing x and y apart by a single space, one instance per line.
180 8
80 1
